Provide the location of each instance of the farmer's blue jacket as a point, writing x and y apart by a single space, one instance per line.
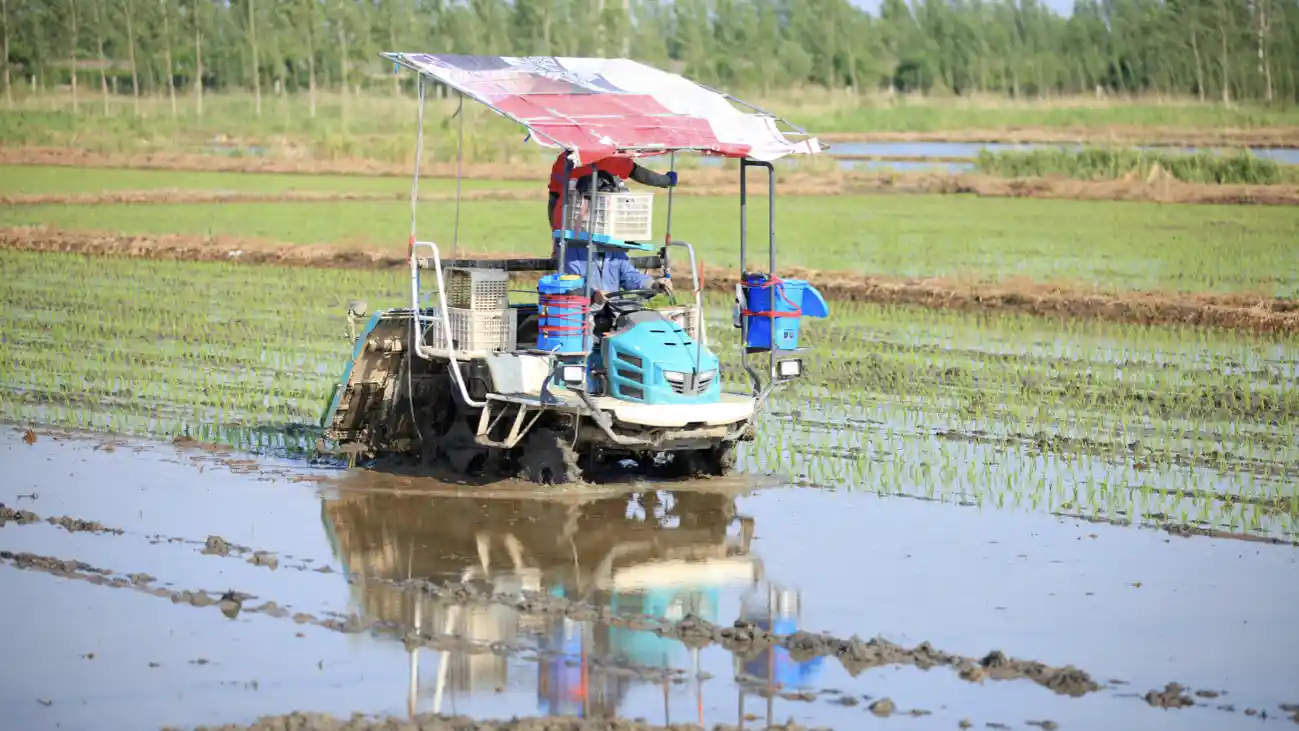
613 269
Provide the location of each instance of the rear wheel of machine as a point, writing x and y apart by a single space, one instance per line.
718 461
463 454
548 459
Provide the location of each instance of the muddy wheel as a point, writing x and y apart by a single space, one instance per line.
548 459
461 452
718 461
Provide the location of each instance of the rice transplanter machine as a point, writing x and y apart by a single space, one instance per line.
544 388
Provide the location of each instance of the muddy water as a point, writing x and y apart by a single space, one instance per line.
573 602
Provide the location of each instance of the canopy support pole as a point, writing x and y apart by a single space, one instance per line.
560 249
460 160
416 328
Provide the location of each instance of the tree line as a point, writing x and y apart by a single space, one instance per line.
1212 49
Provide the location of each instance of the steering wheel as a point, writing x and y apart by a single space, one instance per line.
626 294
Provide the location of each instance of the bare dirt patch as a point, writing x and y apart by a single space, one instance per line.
695 182
1231 311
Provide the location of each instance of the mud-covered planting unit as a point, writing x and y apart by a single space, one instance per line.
578 375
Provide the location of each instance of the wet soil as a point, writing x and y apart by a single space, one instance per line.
709 182
1056 301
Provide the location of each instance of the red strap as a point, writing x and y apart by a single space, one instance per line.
772 282
569 301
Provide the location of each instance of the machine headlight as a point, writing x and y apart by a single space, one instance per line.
705 376
572 374
790 368
674 376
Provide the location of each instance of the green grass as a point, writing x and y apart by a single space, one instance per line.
33 179
1117 422
1110 245
1112 164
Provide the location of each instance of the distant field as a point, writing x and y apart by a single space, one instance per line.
941 115
1113 246
35 179
382 127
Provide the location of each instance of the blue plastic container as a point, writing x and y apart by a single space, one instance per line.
789 296
562 320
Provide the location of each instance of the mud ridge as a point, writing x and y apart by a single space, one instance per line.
232 603
1231 311
299 721
716 181
747 640
1182 530
742 638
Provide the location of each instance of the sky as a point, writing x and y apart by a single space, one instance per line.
1063 7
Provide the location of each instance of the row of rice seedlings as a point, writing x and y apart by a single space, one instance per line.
982 475
219 347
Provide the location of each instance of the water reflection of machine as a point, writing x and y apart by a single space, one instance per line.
657 553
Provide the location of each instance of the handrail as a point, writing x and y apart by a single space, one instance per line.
699 295
417 346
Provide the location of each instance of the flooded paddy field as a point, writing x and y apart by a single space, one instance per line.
196 586
998 519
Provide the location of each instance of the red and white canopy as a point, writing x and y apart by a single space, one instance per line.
605 107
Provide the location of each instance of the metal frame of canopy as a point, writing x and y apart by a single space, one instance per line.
456 77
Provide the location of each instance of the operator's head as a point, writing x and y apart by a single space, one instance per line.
608 183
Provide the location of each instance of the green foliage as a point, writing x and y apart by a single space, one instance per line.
1112 164
1204 48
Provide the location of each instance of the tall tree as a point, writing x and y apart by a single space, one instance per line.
9 89
166 44
130 47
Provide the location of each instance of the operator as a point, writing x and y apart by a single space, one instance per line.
614 271
622 167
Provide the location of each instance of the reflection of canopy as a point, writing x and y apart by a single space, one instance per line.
604 107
